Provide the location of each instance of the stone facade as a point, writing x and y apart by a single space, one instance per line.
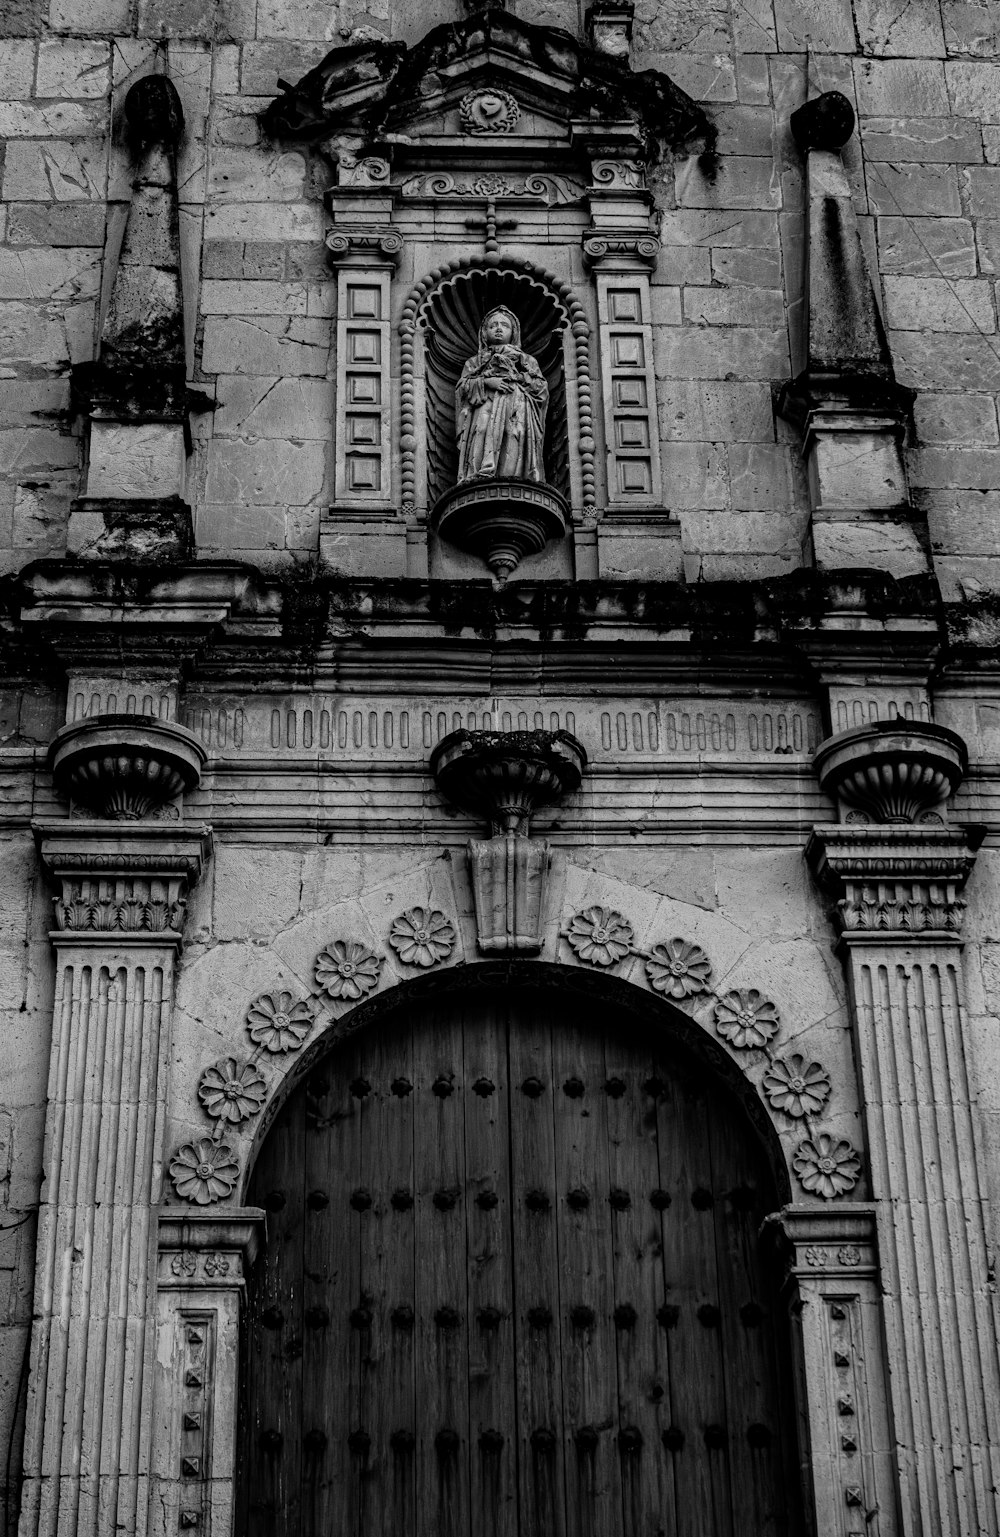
719 740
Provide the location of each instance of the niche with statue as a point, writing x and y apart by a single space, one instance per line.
496 428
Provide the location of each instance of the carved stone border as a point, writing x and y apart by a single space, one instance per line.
579 326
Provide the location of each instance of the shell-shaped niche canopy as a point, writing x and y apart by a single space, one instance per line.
450 318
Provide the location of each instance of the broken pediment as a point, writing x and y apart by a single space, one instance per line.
487 77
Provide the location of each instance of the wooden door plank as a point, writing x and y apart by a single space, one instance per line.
697 1384
537 1323
590 1386
492 1414
441 1332
747 1323
332 1281
388 1405
643 1366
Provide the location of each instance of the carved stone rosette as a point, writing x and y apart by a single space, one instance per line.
898 885
506 776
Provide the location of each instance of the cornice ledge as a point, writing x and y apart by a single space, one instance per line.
893 882
818 1242
72 846
240 1228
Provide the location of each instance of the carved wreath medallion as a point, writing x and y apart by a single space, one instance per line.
489 111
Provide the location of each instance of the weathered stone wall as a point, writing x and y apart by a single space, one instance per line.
728 286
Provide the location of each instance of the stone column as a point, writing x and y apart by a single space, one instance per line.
897 869
118 917
832 1293
203 1260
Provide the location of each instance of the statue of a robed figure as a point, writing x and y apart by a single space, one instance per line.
501 506
501 402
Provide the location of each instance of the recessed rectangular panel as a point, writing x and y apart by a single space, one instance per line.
364 390
364 347
626 305
632 432
364 472
630 392
634 478
628 352
364 303
364 431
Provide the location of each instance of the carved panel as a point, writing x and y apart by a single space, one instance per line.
362 457
631 432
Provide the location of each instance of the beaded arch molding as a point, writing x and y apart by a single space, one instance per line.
419 298
346 971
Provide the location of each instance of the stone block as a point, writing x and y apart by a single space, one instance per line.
716 412
804 27
213 20
880 544
902 88
226 526
908 188
754 37
736 181
926 247
73 69
910 31
28 401
274 345
956 140
265 473
51 120
964 418
362 548
250 176
859 468
34 450
23 18
937 361
760 476
273 408
129 459
747 268
971 27
963 523
55 172
88 16
261 221
40 517
31 335
694 226
56 224
695 475
680 264
724 352
220 297
17 66
764 532
988 244
639 551
708 77
146 530
734 307
939 304
665 305
61 275
255 891
264 62
982 190
957 468
745 131
974 89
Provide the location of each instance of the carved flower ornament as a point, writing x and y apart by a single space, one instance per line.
600 935
232 1091
347 969
204 1171
678 969
746 1018
795 1086
422 936
278 1022
827 1167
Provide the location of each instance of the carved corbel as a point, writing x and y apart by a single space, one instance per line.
507 776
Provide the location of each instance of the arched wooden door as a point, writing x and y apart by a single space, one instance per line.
512 1288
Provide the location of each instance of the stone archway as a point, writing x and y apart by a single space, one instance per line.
512 1280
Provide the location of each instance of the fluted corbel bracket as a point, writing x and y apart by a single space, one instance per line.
121 883
125 767
505 776
898 772
893 882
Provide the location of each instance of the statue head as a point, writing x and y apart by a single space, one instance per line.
500 328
